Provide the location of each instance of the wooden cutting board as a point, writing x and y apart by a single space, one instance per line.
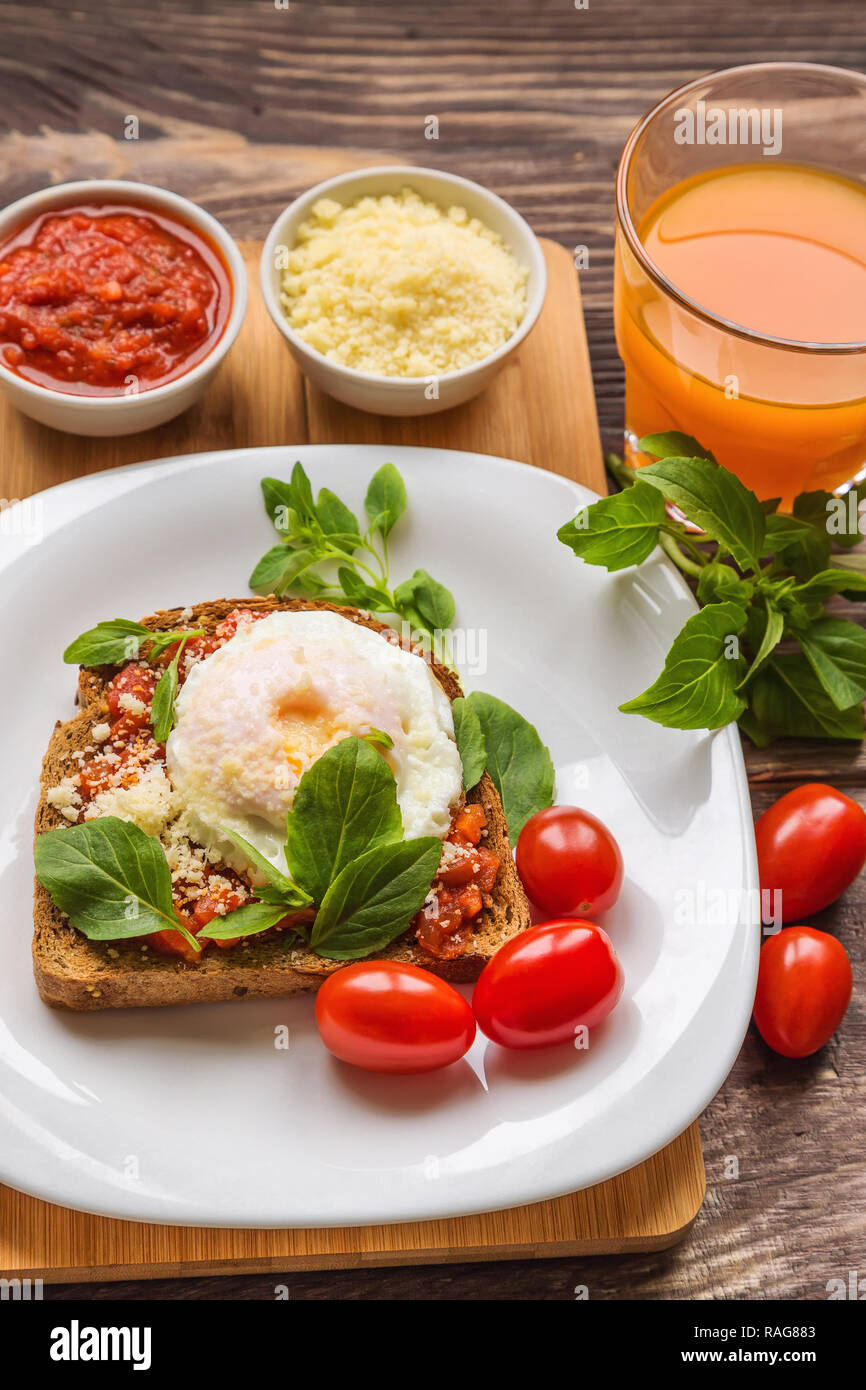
541 410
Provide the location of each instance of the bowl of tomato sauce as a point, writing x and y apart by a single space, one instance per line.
118 302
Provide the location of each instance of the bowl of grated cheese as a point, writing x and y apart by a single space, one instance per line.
402 290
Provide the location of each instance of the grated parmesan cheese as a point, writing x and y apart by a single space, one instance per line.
66 797
396 286
130 704
149 801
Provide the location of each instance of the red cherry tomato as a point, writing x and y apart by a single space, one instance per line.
388 1017
811 847
804 987
543 985
569 862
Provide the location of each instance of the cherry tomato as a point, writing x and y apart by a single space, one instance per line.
388 1017
804 987
569 862
811 847
543 985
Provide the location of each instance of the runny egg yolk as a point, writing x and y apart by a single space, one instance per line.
308 726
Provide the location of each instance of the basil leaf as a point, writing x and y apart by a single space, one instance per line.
362 594
281 566
345 804
715 500
855 563
788 701
617 531
805 552
378 738
247 920
290 894
161 641
110 879
853 566
425 596
673 444
718 582
831 515
302 494
290 505
470 742
107 644
434 602
517 760
771 629
697 688
374 898
274 898
783 531
833 581
162 709
386 499
279 502
339 524
309 585
836 651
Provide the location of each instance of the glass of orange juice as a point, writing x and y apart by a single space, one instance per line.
740 281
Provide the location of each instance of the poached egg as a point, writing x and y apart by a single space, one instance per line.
257 713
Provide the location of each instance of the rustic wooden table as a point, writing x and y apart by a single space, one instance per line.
233 104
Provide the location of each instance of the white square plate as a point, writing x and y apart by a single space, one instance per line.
193 1115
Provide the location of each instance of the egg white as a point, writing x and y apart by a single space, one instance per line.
254 716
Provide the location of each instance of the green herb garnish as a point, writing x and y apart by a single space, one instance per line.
344 848
110 879
118 640
325 553
165 694
762 650
346 854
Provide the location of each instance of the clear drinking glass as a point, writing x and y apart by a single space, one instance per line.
785 415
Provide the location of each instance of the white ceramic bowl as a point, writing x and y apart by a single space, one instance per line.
111 415
393 395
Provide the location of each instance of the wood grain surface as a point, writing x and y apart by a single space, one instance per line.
648 1208
241 105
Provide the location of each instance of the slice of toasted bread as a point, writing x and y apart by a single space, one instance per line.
75 973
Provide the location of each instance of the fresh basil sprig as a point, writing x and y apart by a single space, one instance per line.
762 650
346 853
345 850
110 879
324 552
118 640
